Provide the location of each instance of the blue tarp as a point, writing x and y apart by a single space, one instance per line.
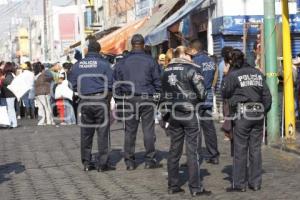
160 34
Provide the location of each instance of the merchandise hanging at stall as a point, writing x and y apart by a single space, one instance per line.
160 33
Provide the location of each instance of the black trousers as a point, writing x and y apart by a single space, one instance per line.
209 132
181 130
143 109
247 138
94 118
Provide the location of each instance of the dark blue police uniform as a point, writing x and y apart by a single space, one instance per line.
143 72
207 68
92 78
249 99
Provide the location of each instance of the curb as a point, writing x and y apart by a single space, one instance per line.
290 148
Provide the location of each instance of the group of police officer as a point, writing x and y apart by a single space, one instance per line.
184 91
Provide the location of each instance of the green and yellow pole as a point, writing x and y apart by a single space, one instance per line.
271 69
289 106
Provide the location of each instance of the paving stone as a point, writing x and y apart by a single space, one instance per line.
44 163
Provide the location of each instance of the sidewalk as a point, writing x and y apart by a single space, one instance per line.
293 147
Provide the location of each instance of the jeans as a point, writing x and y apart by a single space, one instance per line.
29 103
44 108
69 112
10 104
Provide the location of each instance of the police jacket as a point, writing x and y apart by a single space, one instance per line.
207 68
246 85
93 73
141 71
182 86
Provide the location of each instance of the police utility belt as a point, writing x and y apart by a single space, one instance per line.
95 94
251 107
137 94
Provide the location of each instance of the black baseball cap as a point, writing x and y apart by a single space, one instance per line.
137 39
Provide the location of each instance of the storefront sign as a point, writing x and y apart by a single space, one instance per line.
234 24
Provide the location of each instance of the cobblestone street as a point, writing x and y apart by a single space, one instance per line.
44 163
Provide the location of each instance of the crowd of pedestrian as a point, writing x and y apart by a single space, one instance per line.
176 90
36 91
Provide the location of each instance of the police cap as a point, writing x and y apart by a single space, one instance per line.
137 39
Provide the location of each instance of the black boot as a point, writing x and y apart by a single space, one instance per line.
27 113
32 113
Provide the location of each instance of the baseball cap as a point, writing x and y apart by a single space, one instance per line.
162 57
24 66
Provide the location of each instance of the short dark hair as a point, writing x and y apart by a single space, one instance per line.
137 39
9 68
28 65
94 46
226 53
237 58
67 65
38 67
197 44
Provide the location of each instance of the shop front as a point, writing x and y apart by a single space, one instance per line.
230 31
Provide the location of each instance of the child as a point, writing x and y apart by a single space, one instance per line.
64 97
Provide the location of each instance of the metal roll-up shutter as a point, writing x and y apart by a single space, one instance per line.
218 45
236 42
295 40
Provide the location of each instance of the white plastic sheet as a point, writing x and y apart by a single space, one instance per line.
4 119
22 84
63 91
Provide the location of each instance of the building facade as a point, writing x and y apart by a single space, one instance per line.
228 24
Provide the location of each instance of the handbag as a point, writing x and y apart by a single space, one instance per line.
4 119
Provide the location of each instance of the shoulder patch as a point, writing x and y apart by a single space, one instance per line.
172 79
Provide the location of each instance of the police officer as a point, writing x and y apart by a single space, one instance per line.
207 68
142 71
249 98
182 90
92 78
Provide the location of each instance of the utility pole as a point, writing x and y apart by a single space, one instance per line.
45 30
81 27
30 38
50 28
106 20
289 107
151 7
11 41
271 68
